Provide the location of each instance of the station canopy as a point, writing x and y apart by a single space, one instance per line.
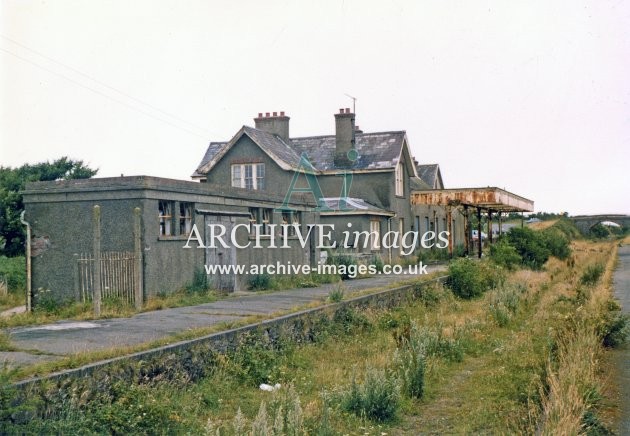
491 199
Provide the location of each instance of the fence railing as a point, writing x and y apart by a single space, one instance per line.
118 275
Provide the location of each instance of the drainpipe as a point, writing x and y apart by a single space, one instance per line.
389 229
28 261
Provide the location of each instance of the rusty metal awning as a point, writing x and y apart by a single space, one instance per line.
490 198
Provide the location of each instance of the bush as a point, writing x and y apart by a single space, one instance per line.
377 398
336 294
469 279
556 242
255 361
45 301
348 264
410 364
505 255
599 231
348 319
614 329
378 263
431 294
260 282
592 274
199 282
500 313
435 343
504 303
530 245
568 228
13 269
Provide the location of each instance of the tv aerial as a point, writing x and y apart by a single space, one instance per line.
354 103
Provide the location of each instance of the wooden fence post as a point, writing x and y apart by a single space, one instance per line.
137 239
96 224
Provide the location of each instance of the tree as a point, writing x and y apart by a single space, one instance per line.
13 180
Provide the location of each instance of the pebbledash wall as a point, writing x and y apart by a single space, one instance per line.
60 214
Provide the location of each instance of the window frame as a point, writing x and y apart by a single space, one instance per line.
399 181
375 235
249 175
165 218
186 220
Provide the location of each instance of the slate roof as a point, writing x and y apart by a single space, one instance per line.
213 149
351 205
429 174
274 145
376 150
417 184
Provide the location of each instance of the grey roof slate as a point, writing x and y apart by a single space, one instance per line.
376 150
271 144
274 145
428 173
340 205
213 149
417 184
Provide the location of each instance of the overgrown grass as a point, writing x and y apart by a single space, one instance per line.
496 380
267 282
50 310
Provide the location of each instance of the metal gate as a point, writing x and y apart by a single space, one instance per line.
118 276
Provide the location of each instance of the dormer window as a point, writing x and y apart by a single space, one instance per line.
400 189
248 176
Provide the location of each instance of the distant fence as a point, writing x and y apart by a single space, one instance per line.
118 275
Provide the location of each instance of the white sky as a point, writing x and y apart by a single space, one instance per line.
528 96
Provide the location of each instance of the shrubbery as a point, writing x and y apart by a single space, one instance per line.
592 274
259 282
469 279
13 269
377 398
199 282
347 260
556 242
504 303
410 364
530 245
615 326
532 248
505 255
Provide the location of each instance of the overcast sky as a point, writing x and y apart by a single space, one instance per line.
533 97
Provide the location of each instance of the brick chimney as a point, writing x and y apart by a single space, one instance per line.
276 124
344 134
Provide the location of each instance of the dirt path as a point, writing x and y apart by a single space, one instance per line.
621 357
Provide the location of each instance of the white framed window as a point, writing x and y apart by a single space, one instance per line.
375 234
165 214
400 188
248 176
185 218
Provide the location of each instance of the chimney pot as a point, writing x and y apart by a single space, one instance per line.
348 110
341 110
273 124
